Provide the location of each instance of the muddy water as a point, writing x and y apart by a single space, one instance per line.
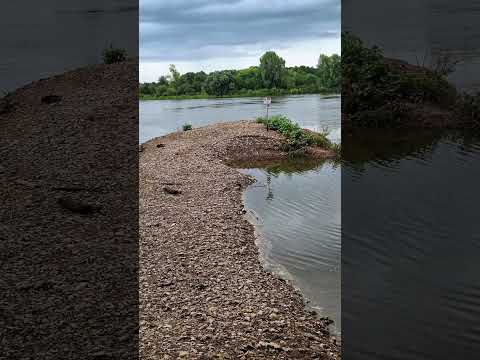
295 206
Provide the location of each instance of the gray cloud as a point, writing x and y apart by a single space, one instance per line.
201 29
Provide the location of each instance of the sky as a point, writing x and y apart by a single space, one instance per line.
214 35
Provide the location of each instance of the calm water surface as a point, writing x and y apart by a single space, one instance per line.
296 208
43 38
411 246
165 116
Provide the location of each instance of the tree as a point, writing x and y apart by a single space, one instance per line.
220 83
249 78
272 70
329 71
198 81
162 80
174 77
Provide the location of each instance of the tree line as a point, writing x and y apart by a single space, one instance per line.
270 77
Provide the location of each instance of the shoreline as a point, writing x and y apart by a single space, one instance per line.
279 270
204 291
212 97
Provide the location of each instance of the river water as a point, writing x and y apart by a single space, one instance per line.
410 229
165 116
410 245
44 38
296 204
296 208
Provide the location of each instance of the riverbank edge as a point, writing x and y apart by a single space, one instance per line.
277 269
323 341
212 97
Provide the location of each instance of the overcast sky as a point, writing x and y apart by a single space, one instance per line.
213 35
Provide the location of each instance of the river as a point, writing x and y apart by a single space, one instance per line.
161 117
410 233
410 245
296 204
44 38
296 208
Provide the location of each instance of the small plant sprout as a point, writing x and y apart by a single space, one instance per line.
113 55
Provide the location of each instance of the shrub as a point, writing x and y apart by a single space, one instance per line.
113 55
187 127
374 86
296 138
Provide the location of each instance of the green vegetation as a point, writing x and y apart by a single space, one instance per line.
377 91
270 78
113 55
187 127
297 138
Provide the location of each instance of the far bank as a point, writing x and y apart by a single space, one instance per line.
259 93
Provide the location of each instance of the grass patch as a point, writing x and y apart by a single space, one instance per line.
187 127
296 138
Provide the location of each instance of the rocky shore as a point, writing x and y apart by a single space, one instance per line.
203 291
68 220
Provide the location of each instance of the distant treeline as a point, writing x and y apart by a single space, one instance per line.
271 77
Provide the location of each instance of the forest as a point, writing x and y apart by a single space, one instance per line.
270 77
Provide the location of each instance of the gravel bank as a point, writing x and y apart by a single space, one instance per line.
68 220
203 291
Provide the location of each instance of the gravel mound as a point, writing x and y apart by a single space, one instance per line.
69 216
203 291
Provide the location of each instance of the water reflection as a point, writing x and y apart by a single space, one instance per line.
296 205
410 245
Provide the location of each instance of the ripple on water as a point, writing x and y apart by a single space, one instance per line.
411 244
298 206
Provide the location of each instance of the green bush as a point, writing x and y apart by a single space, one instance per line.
296 138
187 127
373 87
113 55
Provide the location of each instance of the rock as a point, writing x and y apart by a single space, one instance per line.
50 99
273 316
77 206
160 145
172 191
271 345
25 183
247 347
